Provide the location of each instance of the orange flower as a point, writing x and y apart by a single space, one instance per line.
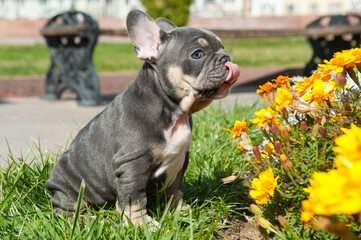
303 86
237 130
263 186
265 117
340 61
356 53
282 81
265 89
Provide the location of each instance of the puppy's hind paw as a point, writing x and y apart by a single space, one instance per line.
184 205
58 212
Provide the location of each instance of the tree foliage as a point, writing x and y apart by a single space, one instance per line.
174 10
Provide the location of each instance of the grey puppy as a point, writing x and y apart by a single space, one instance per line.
140 142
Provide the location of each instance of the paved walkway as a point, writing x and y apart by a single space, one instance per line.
52 124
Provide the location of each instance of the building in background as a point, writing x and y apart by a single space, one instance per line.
33 9
302 7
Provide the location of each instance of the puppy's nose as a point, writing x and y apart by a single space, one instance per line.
225 59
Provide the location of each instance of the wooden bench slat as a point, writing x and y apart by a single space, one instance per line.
63 30
265 33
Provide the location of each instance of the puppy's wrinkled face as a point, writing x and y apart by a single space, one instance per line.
190 63
196 62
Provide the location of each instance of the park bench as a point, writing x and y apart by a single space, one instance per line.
71 37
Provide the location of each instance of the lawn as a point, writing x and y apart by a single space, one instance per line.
110 57
26 212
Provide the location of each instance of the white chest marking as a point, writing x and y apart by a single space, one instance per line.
172 155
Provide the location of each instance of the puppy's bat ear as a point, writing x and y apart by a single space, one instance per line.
147 37
165 24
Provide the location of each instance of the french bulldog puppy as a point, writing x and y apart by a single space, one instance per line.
140 142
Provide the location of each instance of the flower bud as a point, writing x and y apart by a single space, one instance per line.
315 130
323 120
324 132
277 146
286 164
263 223
358 66
256 210
284 113
340 79
283 221
284 135
230 179
257 153
318 119
352 74
271 99
303 127
275 129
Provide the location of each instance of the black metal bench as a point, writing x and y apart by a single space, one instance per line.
71 38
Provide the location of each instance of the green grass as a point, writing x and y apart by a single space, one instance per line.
109 57
26 212
269 52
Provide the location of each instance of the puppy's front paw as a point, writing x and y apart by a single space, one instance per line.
137 216
146 220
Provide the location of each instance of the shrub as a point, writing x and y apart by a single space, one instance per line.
307 170
174 10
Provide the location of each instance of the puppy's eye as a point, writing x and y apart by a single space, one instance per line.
197 54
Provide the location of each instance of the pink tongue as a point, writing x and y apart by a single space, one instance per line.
233 73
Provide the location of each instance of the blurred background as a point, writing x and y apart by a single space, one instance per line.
34 9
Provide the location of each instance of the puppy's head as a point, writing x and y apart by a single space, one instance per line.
190 63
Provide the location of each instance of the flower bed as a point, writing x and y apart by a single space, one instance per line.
307 171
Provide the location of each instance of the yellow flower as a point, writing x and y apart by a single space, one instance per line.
283 99
341 61
333 192
339 190
263 186
348 147
265 89
269 147
265 117
237 130
282 81
307 84
337 117
321 93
